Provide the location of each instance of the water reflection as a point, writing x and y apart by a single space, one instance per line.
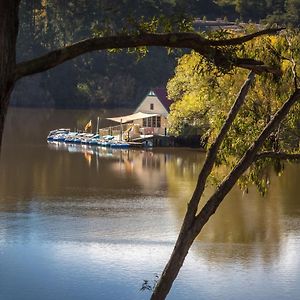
242 219
93 209
146 167
258 224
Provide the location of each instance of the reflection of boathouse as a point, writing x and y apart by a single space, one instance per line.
149 120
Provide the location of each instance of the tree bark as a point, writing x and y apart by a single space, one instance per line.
206 47
8 39
176 260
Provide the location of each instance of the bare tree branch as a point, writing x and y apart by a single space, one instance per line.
256 66
205 47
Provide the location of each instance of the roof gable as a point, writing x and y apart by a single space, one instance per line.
161 94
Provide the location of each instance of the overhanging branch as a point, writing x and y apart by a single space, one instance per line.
186 40
246 38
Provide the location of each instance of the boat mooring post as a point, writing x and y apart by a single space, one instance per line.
97 130
121 131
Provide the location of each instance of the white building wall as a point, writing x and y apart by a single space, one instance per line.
158 108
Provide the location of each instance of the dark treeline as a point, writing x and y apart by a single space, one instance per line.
118 79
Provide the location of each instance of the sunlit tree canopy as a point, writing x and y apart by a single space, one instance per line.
203 96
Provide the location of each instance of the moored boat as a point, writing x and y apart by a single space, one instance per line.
64 135
57 134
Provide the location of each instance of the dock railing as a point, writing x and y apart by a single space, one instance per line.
115 130
128 134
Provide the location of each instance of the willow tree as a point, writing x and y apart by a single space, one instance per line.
246 133
203 97
219 51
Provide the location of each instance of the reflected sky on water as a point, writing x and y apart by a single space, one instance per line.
80 222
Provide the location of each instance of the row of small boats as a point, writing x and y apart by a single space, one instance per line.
72 137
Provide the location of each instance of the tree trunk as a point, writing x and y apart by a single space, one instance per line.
8 39
193 224
180 251
188 233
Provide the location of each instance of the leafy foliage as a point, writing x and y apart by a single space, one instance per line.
203 98
96 79
48 24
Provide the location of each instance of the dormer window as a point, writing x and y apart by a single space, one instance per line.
151 106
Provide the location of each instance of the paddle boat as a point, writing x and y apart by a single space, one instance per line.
119 145
94 140
85 139
70 137
58 134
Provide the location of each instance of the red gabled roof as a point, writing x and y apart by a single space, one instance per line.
161 94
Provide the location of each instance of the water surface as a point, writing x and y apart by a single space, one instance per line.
92 223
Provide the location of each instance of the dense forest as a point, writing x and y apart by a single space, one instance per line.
116 79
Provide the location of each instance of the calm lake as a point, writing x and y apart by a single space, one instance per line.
92 223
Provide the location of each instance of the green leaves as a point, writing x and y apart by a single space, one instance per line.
203 97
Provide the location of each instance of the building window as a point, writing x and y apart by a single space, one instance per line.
153 122
151 106
158 122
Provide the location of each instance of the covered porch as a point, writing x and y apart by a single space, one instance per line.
137 125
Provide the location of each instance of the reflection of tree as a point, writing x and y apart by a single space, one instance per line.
289 188
247 225
183 167
39 173
148 168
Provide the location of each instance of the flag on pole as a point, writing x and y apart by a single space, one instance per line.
88 125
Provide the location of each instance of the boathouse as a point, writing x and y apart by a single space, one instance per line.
155 103
149 119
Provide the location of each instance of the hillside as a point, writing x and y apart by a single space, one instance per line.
110 80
